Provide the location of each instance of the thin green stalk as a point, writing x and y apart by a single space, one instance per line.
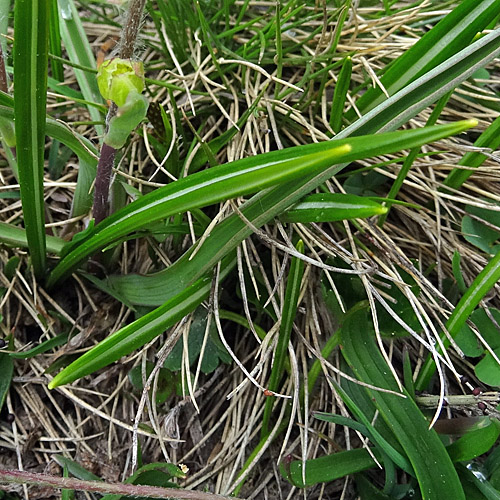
279 49
396 186
289 312
490 138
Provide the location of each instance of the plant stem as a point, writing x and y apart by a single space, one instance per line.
23 477
102 181
107 157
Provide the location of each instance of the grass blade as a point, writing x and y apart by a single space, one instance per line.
31 28
451 35
328 207
490 138
289 312
339 95
483 283
79 52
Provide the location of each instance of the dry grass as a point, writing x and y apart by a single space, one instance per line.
92 421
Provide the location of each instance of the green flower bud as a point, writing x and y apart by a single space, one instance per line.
116 78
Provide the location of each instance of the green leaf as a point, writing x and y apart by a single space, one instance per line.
476 442
75 469
490 138
288 313
436 476
31 35
166 381
483 283
488 370
339 95
6 372
80 52
16 237
155 289
141 331
328 468
328 207
478 233
41 348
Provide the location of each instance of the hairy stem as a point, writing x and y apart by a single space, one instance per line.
23 477
106 160
102 181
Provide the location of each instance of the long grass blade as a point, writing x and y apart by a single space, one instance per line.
31 30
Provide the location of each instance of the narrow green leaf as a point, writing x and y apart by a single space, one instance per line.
31 32
79 51
6 372
328 207
490 138
432 465
75 469
289 311
339 95
141 331
16 237
41 348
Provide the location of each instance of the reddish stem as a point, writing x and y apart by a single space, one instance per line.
102 182
23 477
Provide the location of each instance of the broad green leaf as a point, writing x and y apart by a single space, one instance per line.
155 289
141 331
31 35
436 476
479 233
328 468
476 442
488 369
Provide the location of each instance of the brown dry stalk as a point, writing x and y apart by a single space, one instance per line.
70 483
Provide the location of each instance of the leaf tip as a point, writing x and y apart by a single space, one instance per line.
471 123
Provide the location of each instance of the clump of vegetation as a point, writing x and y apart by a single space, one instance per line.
251 250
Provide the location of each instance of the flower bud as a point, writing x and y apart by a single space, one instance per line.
116 78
